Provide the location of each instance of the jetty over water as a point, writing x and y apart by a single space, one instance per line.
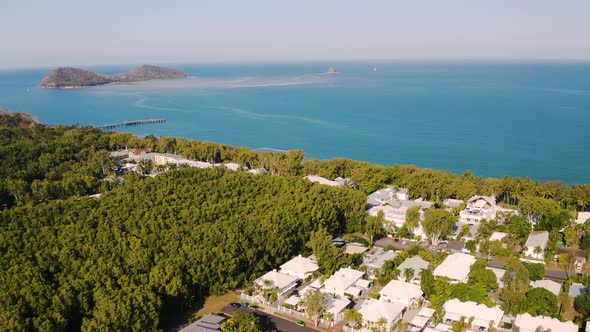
131 123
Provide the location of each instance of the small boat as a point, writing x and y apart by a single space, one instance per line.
332 70
375 69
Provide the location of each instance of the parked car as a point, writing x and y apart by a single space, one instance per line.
235 304
300 323
243 304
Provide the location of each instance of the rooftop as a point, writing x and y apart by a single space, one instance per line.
343 279
415 263
582 217
528 323
482 314
378 258
207 323
336 305
404 291
576 290
537 239
279 280
321 180
299 265
452 202
577 253
455 266
497 236
372 310
549 285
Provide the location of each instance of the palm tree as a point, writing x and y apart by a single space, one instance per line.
395 273
382 323
408 274
353 317
537 250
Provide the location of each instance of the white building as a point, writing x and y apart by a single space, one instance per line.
299 267
483 316
337 306
549 285
376 260
582 217
528 323
497 236
232 166
374 310
322 180
419 322
283 282
416 263
343 282
536 240
387 195
455 267
478 208
401 292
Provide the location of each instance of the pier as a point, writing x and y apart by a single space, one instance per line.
131 123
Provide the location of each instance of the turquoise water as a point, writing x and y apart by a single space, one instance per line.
494 119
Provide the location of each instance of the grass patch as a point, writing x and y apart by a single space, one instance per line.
214 303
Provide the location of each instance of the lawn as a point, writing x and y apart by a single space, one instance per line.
214 303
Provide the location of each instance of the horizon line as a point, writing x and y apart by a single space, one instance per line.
301 61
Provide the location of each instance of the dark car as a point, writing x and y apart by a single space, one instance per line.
235 304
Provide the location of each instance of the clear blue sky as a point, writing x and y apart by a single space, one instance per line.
86 32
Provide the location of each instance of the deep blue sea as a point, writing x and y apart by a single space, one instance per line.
494 119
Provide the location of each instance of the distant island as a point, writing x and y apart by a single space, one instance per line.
68 77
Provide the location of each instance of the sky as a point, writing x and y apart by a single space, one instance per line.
38 33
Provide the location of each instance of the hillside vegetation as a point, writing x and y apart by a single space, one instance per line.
68 77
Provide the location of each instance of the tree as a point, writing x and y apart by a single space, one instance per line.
316 304
320 243
353 317
413 217
516 285
437 224
374 225
541 302
241 322
408 274
536 271
582 304
567 262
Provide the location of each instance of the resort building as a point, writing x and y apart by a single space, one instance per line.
376 260
404 293
497 236
549 285
345 281
322 180
478 208
582 217
456 267
284 283
416 263
373 311
483 316
422 318
528 323
535 245
299 267
207 323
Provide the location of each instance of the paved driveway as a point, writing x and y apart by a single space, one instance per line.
280 324
549 273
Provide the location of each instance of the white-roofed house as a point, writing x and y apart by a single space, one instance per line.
535 245
452 203
582 217
456 267
337 306
528 323
478 208
322 180
483 316
299 267
419 322
283 282
342 282
376 260
232 166
549 285
374 311
497 236
404 293
416 263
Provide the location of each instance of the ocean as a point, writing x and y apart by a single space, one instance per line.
493 119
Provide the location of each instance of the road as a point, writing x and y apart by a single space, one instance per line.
281 324
549 273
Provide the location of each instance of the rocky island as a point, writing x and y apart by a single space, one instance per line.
68 77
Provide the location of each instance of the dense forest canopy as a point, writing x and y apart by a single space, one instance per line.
152 246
